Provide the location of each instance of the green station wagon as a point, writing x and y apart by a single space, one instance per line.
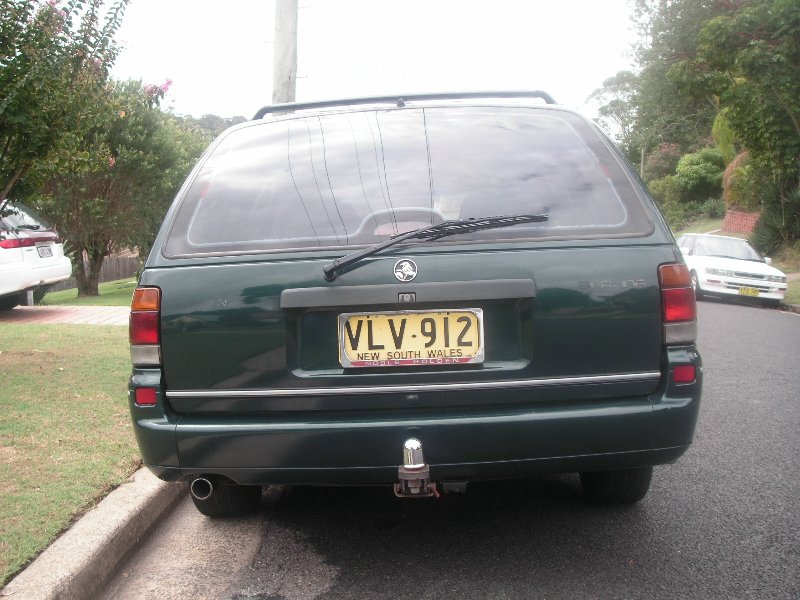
414 292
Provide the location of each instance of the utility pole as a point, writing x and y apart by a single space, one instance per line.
284 59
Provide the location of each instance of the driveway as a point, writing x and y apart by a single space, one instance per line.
77 315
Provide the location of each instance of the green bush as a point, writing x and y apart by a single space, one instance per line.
749 185
668 195
779 225
714 208
699 175
666 190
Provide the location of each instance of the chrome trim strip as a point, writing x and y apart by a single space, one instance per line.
436 387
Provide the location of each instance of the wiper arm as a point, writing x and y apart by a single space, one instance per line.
431 232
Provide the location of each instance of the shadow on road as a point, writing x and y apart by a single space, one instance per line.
498 540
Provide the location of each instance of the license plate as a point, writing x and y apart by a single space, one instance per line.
44 251
747 291
411 338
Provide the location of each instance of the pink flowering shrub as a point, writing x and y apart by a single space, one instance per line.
155 93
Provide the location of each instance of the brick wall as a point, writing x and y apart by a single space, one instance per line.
740 222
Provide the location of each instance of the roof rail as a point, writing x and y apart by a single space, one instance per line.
401 100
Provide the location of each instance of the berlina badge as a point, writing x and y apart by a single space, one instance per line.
405 269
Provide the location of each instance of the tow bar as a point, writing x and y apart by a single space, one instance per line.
414 473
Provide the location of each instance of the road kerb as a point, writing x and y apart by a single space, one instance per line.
79 563
795 308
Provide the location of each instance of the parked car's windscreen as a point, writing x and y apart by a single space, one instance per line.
725 247
357 178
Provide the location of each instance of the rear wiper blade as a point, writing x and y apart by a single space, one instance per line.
431 232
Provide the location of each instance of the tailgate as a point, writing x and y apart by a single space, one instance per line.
558 324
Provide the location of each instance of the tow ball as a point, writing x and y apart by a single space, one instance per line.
414 473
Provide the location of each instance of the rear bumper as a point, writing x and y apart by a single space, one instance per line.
360 447
439 472
22 276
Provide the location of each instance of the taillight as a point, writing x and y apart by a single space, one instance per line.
679 308
27 242
144 331
17 243
14 243
679 305
144 328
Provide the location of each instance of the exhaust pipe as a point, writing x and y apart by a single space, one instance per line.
202 488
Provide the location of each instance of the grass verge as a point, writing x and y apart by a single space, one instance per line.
788 261
793 293
704 225
112 293
65 433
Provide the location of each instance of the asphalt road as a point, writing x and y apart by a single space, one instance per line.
723 522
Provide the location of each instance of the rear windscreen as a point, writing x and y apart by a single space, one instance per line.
18 216
356 178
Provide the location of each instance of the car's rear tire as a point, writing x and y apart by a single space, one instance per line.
229 500
626 486
9 302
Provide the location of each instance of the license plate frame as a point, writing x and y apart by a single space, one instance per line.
384 343
750 292
45 251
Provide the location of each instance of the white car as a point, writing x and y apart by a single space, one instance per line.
726 266
31 255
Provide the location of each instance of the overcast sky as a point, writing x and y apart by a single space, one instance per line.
219 52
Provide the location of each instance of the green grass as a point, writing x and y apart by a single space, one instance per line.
65 432
704 225
112 293
793 293
788 261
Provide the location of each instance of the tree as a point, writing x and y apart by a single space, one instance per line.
667 112
54 64
113 184
215 125
177 144
617 109
749 58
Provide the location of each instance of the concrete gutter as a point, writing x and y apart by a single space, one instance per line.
80 563
794 308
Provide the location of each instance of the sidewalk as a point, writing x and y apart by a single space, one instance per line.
76 315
